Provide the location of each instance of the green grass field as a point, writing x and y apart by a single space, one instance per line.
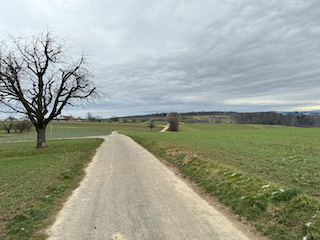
235 162
71 129
287 156
33 182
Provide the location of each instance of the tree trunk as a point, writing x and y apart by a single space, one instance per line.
41 136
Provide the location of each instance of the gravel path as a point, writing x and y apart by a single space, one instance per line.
128 194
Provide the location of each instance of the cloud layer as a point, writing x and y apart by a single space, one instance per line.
154 56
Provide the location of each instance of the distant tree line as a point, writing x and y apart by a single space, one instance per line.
193 113
274 118
206 113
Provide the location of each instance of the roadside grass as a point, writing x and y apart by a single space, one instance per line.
269 174
34 182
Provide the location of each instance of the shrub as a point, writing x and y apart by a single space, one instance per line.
174 122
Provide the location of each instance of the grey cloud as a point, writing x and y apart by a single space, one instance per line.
239 55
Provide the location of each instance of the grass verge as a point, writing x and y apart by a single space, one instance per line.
279 207
34 183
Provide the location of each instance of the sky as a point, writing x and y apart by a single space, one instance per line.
152 56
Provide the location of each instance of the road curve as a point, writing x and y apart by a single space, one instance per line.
128 194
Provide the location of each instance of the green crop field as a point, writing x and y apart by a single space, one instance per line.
269 174
274 154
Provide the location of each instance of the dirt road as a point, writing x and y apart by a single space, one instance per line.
128 194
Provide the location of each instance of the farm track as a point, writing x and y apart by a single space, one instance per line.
165 128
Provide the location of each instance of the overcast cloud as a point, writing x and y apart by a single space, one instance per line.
191 55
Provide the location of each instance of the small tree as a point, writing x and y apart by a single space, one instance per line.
174 122
22 126
28 126
151 125
15 127
39 78
7 125
133 120
114 119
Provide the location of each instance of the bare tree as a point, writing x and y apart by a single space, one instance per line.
38 77
90 117
15 127
22 126
133 120
7 125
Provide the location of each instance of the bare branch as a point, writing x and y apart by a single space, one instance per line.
39 78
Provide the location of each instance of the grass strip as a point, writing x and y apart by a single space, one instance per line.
35 182
279 212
